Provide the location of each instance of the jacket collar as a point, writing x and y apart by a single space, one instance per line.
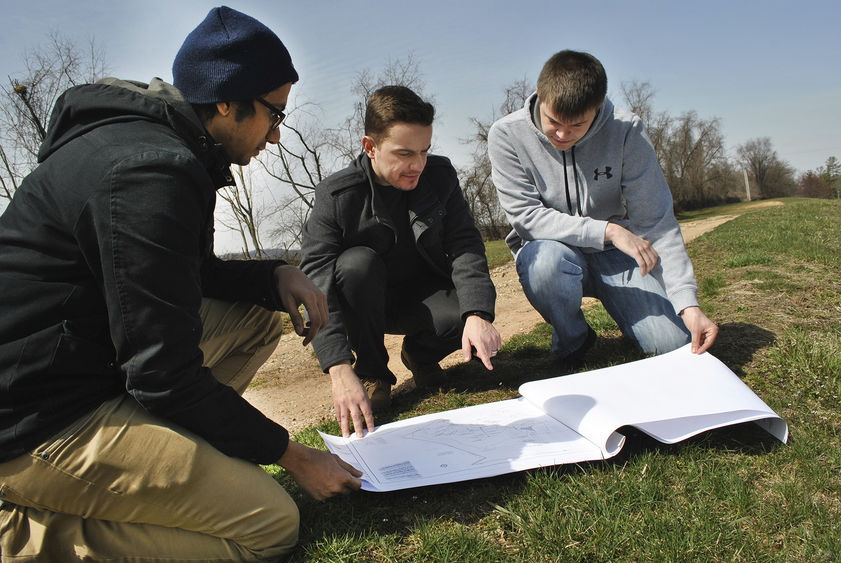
421 199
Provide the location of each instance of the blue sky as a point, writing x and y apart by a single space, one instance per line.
766 68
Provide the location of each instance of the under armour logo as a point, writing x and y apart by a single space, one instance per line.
606 172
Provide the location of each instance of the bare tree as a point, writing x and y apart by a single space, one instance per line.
476 179
295 163
693 148
301 160
830 173
245 217
346 139
774 177
26 101
639 98
812 185
690 150
293 214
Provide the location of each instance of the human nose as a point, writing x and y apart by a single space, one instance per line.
562 133
418 163
273 135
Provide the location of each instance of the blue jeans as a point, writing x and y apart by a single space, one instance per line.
555 277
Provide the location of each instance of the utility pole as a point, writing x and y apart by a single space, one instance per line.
747 184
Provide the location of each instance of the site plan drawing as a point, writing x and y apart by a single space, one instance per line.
565 419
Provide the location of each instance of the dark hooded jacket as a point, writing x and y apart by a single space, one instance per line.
105 255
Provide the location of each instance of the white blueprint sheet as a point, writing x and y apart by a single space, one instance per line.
671 397
467 443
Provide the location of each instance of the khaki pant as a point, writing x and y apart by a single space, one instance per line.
122 485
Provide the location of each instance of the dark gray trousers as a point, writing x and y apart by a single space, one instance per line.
425 310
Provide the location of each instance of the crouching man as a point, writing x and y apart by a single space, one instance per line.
393 245
592 216
125 343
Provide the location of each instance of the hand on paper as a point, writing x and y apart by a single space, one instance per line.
321 474
350 400
634 246
480 334
702 329
294 289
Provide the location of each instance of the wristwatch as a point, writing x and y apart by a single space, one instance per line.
481 314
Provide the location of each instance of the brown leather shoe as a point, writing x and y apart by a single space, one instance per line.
380 394
426 375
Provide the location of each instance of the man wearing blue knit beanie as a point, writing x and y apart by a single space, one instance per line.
125 343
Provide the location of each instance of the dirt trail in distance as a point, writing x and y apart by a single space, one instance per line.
291 389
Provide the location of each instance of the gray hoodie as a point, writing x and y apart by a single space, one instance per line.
610 175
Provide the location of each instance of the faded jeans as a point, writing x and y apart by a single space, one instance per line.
555 277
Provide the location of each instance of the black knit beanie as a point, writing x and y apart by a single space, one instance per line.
230 57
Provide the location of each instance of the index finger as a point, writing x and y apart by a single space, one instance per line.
348 467
485 355
708 339
317 313
291 308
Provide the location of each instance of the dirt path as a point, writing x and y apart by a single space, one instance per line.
291 389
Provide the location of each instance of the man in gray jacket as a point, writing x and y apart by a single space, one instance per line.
592 215
393 245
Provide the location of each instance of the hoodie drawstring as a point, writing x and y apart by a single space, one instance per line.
566 182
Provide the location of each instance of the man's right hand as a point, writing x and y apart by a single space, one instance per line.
350 400
634 246
295 288
321 474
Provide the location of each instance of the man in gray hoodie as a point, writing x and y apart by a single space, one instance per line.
592 215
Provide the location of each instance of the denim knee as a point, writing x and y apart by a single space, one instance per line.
550 268
661 335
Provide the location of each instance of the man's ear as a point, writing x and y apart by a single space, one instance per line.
224 108
368 145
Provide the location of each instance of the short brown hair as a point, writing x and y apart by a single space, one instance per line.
572 83
392 104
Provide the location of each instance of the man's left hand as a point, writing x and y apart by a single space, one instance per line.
702 329
294 289
480 334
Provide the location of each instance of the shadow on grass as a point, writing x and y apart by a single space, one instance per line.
738 342
746 438
400 512
524 358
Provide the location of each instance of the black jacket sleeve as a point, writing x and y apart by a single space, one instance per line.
322 243
148 227
241 280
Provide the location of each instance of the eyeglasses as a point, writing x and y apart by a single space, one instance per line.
277 115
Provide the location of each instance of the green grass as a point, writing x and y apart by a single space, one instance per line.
497 252
770 280
718 210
